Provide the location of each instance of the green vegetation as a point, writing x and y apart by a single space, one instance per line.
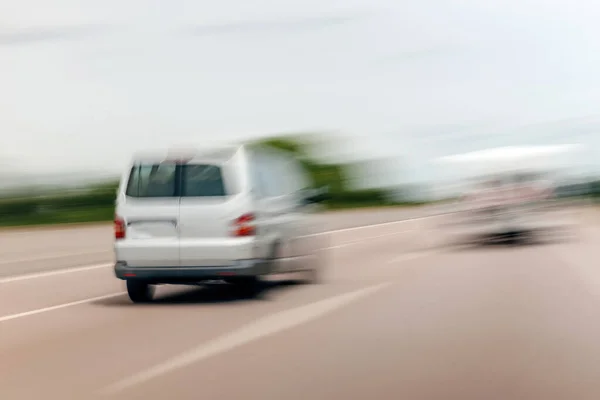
93 204
101 214
96 203
595 190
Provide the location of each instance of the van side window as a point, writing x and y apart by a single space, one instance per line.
292 179
257 180
303 180
152 180
293 182
275 176
298 180
265 175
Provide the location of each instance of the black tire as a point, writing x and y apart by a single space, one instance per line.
247 286
140 292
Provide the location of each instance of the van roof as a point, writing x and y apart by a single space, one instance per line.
215 154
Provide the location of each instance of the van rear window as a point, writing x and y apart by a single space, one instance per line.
201 180
172 180
153 180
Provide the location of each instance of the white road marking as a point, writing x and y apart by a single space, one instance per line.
57 307
339 246
266 326
366 239
52 256
54 272
403 221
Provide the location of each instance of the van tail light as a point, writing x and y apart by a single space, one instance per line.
119 226
244 226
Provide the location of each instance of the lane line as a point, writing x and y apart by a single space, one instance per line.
263 327
53 256
402 221
62 271
58 307
366 239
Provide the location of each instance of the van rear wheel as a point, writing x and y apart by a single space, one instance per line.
140 292
247 285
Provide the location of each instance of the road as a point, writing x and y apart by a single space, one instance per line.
399 316
25 251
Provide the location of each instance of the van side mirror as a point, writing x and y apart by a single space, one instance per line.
315 196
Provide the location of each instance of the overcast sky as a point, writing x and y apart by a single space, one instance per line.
84 83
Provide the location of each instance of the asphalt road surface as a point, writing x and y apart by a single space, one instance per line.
400 316
27 250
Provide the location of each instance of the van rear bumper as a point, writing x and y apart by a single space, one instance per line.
238 269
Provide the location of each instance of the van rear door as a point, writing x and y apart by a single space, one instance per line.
208 209
149 209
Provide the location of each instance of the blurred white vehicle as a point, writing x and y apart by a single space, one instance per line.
508 193
234 214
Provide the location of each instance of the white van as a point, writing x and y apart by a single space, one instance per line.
232 214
